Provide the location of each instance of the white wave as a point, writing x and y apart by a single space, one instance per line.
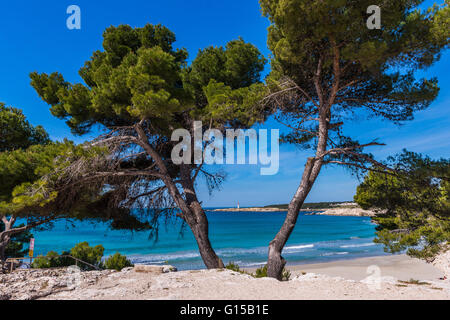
251 264
334 253
231 252
304 246
358 245
162 258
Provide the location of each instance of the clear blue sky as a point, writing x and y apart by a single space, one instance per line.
34 37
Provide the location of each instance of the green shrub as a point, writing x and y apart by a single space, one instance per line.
86 253
41 262
262 273
117 262
233 267
52 260
66 261
82 251
48 261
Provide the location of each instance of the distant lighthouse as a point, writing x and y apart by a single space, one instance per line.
238 205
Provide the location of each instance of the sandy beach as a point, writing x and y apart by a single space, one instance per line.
383 277
400 267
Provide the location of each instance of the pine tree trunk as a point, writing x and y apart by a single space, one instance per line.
201 234
5 237
276 262
192 211
3 244
195 217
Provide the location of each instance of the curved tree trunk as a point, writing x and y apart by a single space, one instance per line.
276 262
5 236
200 230
191 209
3 244
195 217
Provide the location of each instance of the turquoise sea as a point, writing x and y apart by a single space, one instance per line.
239 237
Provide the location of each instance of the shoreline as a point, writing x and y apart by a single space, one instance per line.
399 266
337 211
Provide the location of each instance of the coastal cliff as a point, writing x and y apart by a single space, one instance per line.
345 212
346 209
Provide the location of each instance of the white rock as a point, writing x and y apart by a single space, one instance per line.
148 268
167 269
442 262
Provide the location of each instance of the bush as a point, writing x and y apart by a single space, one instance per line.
82 251
66 261
86 253
262 273
233 267
41 262
52 260
117 262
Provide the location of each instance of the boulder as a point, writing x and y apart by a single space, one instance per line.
154 268
169 268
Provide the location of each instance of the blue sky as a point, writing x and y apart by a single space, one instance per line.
34 37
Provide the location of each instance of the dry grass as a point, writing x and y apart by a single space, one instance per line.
413 281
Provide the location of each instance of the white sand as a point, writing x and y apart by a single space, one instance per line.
368 278
401 267
337 280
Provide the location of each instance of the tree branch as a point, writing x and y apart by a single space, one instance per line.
11 232
344 150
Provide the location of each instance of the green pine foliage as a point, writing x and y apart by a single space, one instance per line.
414 204
140 89
16 132
27 184
139 75
333 61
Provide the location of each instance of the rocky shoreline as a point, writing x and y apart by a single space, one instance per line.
24 284
254 209
345 212
338 211
32 284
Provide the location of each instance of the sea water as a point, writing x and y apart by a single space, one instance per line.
240 237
